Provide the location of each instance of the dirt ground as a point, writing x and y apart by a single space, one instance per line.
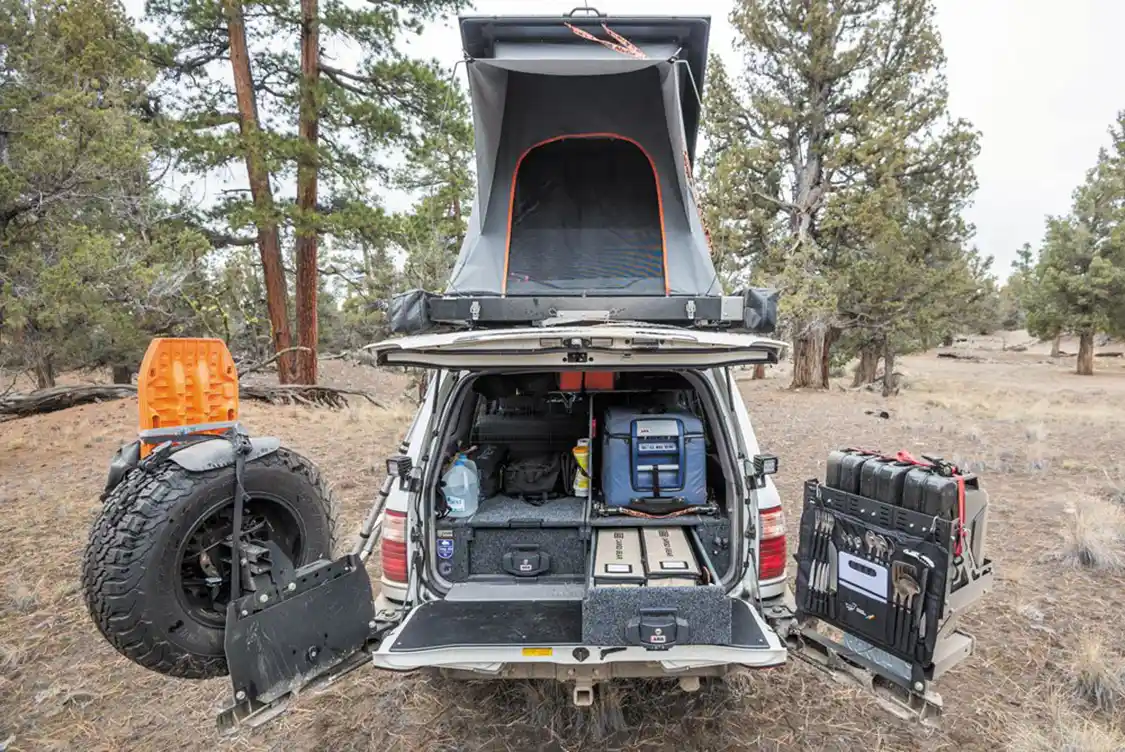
1049 446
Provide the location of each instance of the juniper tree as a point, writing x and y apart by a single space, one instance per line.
831 96
90 264
1078 283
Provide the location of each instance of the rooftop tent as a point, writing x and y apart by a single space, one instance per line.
584 157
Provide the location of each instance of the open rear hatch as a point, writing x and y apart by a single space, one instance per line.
610 346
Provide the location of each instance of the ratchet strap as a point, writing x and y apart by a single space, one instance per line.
939 466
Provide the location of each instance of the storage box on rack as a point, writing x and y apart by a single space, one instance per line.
618 560
669 560
654 617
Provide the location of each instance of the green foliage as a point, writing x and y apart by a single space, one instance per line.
88 265
1078 283
438 167
385 103
835 172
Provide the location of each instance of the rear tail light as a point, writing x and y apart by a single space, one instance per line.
394 546
771 545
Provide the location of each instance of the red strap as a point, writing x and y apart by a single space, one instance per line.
904 456
960 515
623 45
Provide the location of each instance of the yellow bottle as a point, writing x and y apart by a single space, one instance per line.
582 474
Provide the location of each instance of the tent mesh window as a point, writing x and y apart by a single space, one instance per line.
586 217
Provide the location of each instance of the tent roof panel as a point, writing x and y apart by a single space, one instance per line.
493 38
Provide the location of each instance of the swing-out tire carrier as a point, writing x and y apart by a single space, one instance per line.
306 627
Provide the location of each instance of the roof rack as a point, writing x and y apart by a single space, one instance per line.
753 310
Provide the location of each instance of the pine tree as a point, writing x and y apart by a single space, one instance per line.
302 116
1078 284
832 93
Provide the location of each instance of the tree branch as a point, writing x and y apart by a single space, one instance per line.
270 361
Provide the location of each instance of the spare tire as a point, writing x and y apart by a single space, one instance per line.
156 573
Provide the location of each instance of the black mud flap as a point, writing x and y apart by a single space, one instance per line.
286 637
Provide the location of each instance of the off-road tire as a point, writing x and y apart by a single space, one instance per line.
129 569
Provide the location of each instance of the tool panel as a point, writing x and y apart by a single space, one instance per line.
889 569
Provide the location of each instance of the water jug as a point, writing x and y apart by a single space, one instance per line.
461 487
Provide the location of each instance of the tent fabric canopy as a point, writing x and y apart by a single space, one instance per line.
583 174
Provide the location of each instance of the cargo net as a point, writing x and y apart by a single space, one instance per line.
586 217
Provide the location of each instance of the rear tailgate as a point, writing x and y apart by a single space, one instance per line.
485 635
610 346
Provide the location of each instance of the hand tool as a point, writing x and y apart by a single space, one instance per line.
920 615
833 578
822 525
906 588
812 599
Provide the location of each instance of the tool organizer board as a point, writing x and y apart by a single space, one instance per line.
874 570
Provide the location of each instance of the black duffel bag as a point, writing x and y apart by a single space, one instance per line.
534 479
489 459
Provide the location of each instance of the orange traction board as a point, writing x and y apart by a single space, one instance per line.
186 382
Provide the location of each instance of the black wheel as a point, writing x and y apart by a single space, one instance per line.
156 574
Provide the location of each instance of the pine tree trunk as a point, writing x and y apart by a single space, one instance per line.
1056 346
1086 354
269 242
809 353
759 372
306 246
45 372
122 374
890 382
868 366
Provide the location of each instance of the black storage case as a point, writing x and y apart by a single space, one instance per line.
883 480
930 493
509 538
845 468
694 615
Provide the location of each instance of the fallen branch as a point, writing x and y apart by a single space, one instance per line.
1109 355
243 370
303 394
958 356
60 398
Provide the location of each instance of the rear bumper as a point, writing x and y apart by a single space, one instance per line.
496 636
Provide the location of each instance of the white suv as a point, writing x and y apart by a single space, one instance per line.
444 580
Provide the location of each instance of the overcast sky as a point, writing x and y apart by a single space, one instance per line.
1041 79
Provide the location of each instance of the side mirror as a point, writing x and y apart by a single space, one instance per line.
399 466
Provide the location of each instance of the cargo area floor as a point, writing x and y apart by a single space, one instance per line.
455 624
505 511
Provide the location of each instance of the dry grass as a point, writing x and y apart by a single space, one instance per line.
1099 675
62 687
1096 535
1066 730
